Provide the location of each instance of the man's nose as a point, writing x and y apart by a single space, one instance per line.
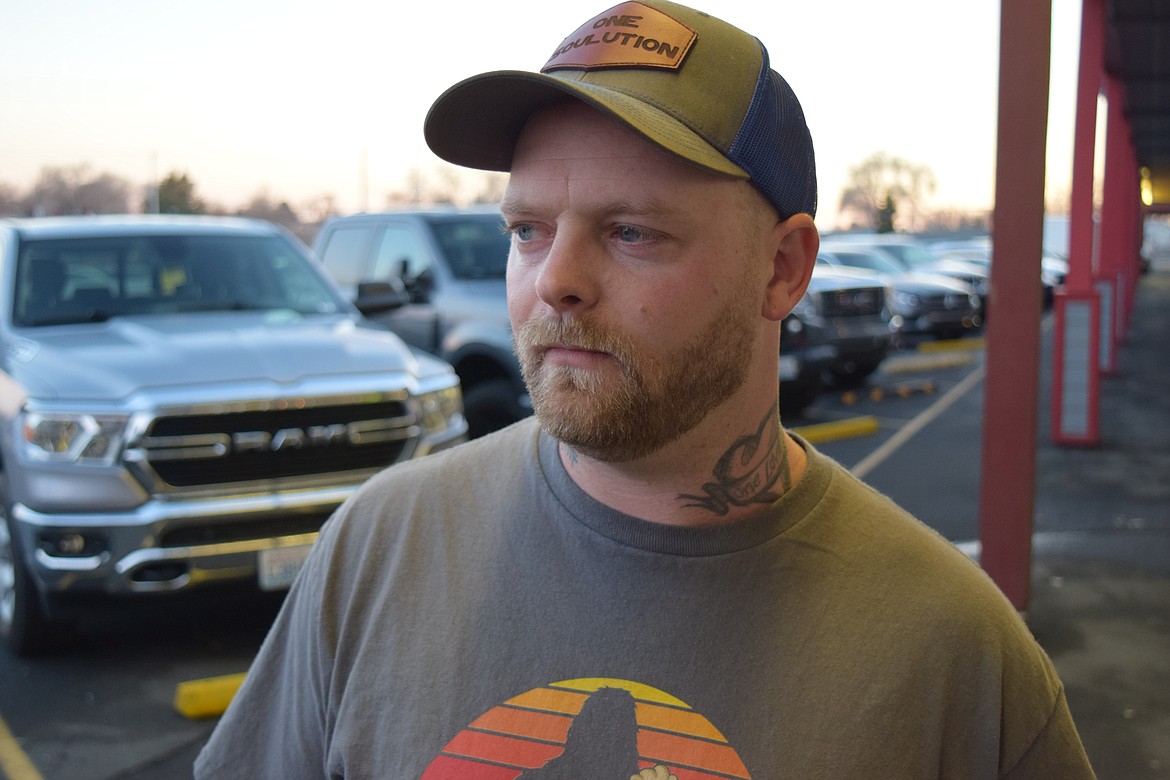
568 279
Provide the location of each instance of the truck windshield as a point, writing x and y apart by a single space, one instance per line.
475 245
93 279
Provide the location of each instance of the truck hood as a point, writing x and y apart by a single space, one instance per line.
110 361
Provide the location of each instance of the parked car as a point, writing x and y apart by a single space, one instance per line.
436 278
184 401
977 252
915 256
839 332
922 303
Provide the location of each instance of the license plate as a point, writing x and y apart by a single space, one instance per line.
278 567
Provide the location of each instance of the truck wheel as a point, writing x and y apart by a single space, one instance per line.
24 628
491 405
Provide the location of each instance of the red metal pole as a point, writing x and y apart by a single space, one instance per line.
1131 253
1136 239
1116 211
1011 384
1075 377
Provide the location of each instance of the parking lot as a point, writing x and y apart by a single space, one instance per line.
105 709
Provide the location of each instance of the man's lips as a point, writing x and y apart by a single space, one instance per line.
573 356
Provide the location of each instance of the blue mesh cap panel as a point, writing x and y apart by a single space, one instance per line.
774 146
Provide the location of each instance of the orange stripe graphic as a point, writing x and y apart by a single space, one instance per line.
531 729
525 723
681 721
551 700
449 768
672 749
501 750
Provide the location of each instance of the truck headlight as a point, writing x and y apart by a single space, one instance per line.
71 437
905 302
439 406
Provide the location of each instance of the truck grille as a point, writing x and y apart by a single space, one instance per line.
852 303
945 302
200 449
243 530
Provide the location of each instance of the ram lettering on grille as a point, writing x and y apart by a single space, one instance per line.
210 449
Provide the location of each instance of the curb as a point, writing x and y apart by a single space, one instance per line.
927 361
972 344
838 429
206 698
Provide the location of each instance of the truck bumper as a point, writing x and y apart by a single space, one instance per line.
175 545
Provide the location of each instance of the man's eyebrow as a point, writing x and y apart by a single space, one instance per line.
514 206
649 206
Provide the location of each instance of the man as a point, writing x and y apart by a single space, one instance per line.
651 579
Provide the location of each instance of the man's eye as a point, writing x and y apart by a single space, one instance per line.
630 234
522 232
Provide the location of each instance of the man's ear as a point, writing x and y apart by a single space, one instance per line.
796 240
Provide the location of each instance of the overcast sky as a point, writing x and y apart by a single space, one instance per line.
303 99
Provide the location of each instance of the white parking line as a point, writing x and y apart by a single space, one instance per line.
891 445
14 763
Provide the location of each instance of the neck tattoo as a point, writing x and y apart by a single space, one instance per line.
754 470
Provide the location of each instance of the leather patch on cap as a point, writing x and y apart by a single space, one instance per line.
630 35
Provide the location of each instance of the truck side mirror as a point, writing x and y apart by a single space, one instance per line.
375 297
419 287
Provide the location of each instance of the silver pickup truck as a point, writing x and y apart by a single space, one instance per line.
449 266
184 401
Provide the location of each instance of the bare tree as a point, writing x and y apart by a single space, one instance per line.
880 182
448 185
10 200
75 191
955 220
491 187
263 207
319 209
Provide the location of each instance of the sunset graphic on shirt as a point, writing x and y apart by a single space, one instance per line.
604 726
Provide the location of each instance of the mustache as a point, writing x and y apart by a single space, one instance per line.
537 335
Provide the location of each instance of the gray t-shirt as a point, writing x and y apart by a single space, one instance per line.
474 614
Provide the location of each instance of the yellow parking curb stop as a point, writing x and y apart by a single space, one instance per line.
950 345
206 698
838 429
927 361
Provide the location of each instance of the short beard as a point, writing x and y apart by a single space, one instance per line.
654 401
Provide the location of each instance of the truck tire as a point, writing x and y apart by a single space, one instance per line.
491 405
24 627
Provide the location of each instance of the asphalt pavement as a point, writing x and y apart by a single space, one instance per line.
1100 585
1100 602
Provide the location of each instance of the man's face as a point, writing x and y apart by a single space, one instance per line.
633 286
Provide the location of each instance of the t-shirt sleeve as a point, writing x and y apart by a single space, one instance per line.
1056 752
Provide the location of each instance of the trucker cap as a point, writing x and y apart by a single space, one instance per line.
688 82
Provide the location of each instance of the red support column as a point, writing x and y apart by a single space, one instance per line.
1131 259
1011 384
1116 226
1136 240
1075 377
